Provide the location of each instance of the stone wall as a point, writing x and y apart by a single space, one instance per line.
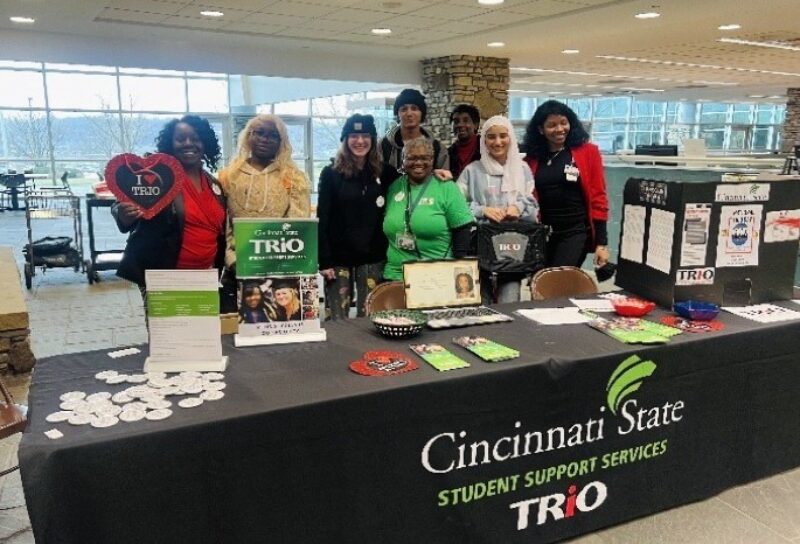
791 127
15 345
463 79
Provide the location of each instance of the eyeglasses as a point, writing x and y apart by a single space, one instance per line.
266 134
411 159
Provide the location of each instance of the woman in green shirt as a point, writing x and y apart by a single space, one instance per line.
425 219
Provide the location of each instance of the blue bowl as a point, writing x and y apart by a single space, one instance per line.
696 310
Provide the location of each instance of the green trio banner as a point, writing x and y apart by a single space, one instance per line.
275 247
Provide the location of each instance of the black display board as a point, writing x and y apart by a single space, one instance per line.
732 244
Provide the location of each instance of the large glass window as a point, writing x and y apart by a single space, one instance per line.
144 93
24 135
82 91
208 95
21 89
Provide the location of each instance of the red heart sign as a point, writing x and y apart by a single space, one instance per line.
150 182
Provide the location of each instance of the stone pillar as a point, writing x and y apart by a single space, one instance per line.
790 135
463 79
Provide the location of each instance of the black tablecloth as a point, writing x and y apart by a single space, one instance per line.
303 450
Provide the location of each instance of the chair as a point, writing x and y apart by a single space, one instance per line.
560 282
386 296
12 420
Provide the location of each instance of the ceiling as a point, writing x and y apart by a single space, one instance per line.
677 55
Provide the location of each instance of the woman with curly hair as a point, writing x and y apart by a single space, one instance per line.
190 232
570 185
263 180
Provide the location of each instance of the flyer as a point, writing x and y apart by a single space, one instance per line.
782 226
659 242
183 320
633 235
278 285
739 235
694 247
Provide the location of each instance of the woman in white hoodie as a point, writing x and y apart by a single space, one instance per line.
499 187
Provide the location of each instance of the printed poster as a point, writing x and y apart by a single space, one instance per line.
742 192
633 233
739 235
782 226
694 247
278 285
659 244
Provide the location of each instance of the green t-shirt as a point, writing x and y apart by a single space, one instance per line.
441 208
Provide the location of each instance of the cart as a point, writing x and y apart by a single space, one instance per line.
99 260
52 205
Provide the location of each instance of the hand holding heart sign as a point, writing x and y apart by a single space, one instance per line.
150 183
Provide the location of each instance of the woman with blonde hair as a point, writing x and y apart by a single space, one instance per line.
263 180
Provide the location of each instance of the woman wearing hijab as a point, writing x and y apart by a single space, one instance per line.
263 180
570 185
499 188
350 212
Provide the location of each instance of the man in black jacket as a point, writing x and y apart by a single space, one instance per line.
465 120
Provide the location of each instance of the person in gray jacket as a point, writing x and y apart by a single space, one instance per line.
410 110
499 187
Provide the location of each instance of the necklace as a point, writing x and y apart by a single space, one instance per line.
550 160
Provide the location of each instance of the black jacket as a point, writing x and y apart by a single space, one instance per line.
455 165
156 243
350 213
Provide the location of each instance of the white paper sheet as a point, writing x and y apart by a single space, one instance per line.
659 242
739 235
781 226
763 313
694 247
554 316
593 304
633 237
194 336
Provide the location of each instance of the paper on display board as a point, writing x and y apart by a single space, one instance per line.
782 226
739 235
633 235
742 192
659 244
183 315
694 246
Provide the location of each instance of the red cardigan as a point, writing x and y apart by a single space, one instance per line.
593 182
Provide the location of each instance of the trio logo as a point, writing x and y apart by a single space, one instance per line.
626 379
560 506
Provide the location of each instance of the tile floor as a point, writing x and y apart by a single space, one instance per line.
69 315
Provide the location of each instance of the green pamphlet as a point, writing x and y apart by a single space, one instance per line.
486 349
438 357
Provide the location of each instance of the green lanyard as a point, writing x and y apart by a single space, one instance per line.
411 207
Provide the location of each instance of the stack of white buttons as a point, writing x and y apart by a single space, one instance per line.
145 399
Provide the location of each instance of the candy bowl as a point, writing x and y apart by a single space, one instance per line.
632 307
696 310
399 323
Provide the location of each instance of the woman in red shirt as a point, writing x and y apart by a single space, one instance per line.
190 232
570 185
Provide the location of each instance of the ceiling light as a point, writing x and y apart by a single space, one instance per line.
490 2
773 45
733 26
496 44
777 96
757 96
211 13
22 20
381 31
704 66
571 51
647 15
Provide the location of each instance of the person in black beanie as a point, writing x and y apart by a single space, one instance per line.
410 110
352 246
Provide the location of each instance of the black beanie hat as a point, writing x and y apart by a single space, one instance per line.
411 96
359 124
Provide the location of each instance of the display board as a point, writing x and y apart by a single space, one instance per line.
277 282
732 244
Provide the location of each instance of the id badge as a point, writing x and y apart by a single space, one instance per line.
406 241
572 172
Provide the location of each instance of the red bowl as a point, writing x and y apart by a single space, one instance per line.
632 307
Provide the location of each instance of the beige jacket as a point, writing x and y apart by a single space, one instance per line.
263 193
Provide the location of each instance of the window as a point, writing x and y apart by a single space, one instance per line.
208 95
145 93
24 135
82 91
21 89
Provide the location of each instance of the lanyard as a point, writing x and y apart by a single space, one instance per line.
411 207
